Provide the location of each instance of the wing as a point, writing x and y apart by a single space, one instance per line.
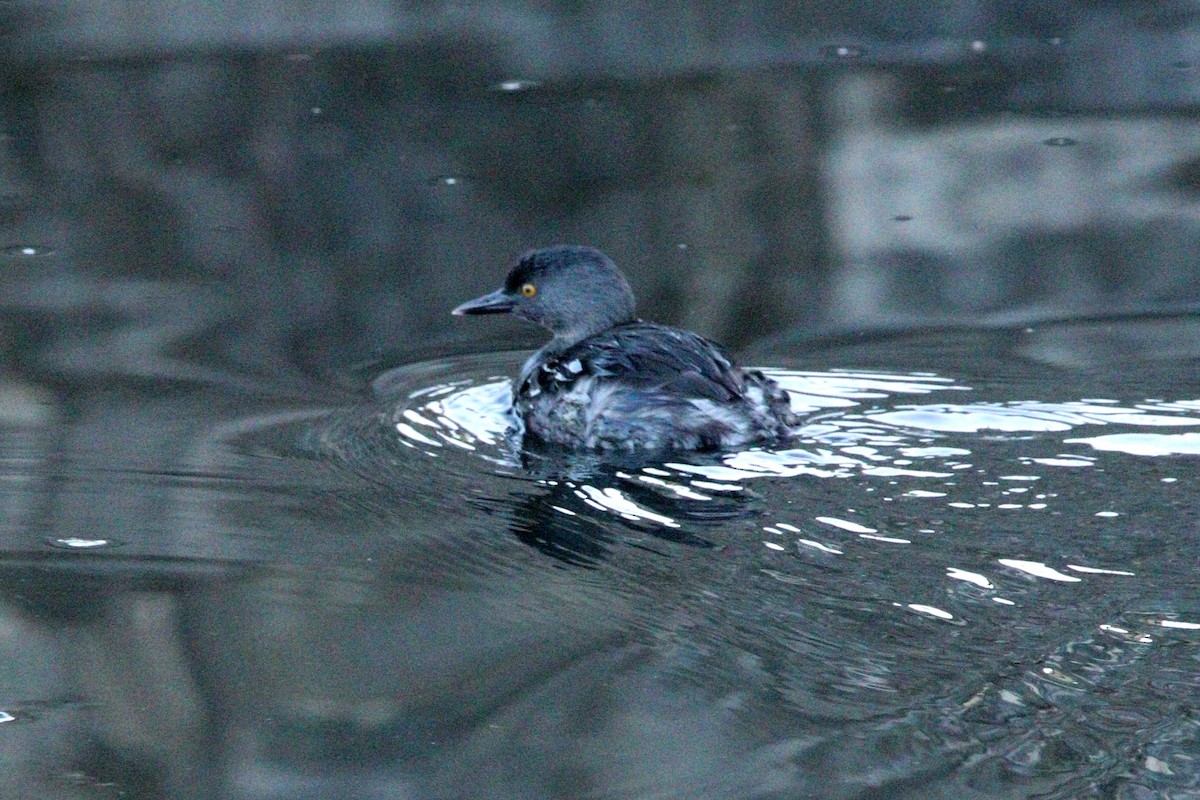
646 357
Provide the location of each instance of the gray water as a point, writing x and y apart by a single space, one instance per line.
976 580
266 533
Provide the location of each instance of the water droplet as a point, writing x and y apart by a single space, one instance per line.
447 180
1054 41
28 250
978 46
515 85
1059 141
316 111
682 246
843 51
76 543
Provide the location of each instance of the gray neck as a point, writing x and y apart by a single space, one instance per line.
596 303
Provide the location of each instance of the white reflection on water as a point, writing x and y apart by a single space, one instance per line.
812 391
1145 444
1024 416
1187 626
854 430
1097 570
460 414
932 611
611 499
846 525
674 488
880 441
1038 570
818 546
1063 462
409 432
479 411
969 577
888 539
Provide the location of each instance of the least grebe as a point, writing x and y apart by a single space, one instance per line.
609 381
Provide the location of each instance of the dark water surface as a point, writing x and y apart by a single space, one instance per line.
264 534
972 574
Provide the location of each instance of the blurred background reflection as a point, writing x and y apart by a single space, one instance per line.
222 576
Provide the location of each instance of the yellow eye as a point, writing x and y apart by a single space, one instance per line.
528 290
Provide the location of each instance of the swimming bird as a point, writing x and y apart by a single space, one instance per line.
607 381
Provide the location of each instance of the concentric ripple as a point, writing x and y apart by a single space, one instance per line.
858 425
919 530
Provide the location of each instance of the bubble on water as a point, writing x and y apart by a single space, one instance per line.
1059 141
447 180
514 85
28 250
843 51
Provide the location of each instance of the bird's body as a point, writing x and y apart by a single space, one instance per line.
639 385
610 382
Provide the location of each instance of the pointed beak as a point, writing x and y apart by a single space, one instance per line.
495 303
